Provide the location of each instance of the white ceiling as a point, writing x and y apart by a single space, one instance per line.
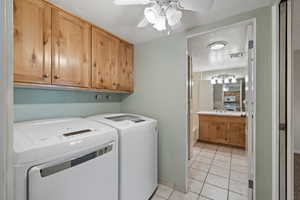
122 20
205 59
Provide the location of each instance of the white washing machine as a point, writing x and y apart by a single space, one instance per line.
138 151
65 159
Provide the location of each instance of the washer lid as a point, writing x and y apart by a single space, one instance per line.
50 139
122 120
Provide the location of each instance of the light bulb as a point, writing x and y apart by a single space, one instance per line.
213 81
160 23
226 80
173 16
152 13
233 80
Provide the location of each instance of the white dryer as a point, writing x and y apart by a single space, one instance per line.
138 151
65 159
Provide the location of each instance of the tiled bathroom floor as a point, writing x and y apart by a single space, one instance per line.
216 173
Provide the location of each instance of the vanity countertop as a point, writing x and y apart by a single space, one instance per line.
222 113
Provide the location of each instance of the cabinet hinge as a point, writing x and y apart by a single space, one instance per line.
250 184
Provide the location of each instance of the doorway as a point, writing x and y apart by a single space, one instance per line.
221 112
287 144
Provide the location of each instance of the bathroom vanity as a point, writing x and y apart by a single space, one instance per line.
228 128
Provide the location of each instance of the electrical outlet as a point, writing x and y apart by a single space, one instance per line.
99 97
108 97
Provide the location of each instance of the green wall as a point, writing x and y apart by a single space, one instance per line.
160 92
32 104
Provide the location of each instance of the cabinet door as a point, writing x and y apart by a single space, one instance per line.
105 49
71 50
125 67
237 136
204 132
32 41
219 131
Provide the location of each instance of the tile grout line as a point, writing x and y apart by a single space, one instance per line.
229 177
211 163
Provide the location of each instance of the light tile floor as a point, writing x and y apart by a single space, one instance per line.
216 173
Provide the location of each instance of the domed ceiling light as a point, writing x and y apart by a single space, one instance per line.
218 45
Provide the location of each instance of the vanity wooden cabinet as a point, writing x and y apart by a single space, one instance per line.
228 130
55 48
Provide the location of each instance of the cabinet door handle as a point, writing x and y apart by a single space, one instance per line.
45 75
56 77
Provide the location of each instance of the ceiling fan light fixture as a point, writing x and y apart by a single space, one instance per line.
152 13
217 45
174 16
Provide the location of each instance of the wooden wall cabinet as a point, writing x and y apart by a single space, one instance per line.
32 41
112 61
228 130
71 58
105 60
125 73
55 48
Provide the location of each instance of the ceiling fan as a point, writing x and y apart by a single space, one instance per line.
166 14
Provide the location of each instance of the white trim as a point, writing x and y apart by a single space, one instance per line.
275 101
253 165
290 106
187 106
251 99
6 102
220 28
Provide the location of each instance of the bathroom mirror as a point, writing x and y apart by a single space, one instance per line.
230 96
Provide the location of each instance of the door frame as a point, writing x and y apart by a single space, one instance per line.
275 100
251 137
6 99
275 103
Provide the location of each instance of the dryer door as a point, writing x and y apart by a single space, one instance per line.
92 176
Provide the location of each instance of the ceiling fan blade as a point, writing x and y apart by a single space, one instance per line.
143 23
196 5
131 2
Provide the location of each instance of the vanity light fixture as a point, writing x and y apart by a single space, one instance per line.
213 81
218 45
223 78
